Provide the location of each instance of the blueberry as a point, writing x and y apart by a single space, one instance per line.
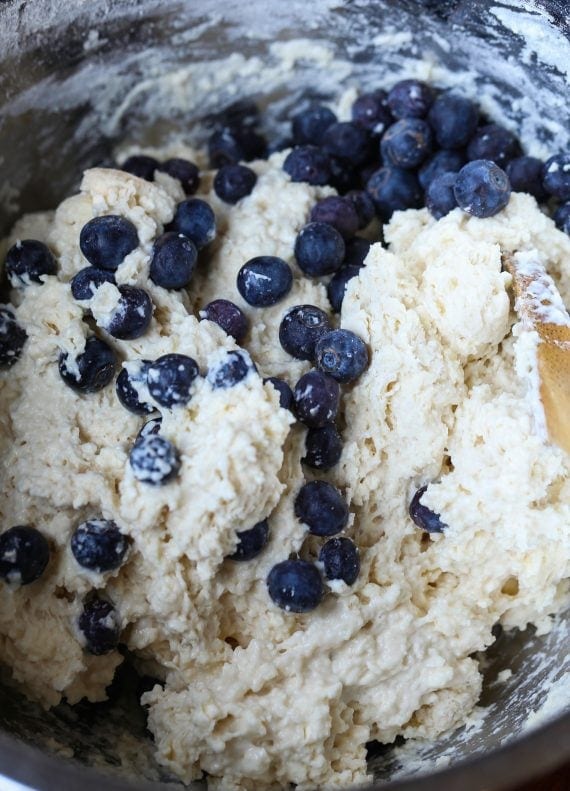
12 338
151 427
230 145
264 280
440 198
441 162
99 626
295 585
347 141
195 219
394 189
410 99
186 172
310 125
227 316
106 241
371 112
407 143
154 460
364 206
338 283
321 507
131 384
338 212
308 163
173 260
285 392
99 545
344 176
251 542
300 329
556 176
24 554
28 261
242 114
132 316
141 165
319 249
317 399
341 560
233 367
561 217
422 516
493 142
482 188
453 119
525 175
86 282
323 447
342 355
170 378
357 249
92 370
234 182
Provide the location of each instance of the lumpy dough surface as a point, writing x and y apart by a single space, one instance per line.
255 696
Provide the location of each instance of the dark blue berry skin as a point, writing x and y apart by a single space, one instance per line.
185 171
241 114
106 241
96 367
173 260
86 282
264 280
440 198
132 316
29 260
150 428
231 145
407 143
321 507
341 560
317 398
347 141
285 392
141 165
295 586
99 545
562 218
394 189
482 189
170 378
410 99
342 355
344 176
422 516
556 176
195 219
338 212
227 316
493 142
310 125
371 112
127 393
441 162
319 249
525 175
232 369
12 338
308 163
234 182
300 329
338 283
364 206
323 447
154 460
357 249
24 555
453 119
251 542
99 625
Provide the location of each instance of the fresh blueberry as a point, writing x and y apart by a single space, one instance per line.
321 507
319 249
441 162
99 545
410 99
92 370
493 142
141 165
241 114
556 176
264 280
86 282
230 145
422 516
344 176
482 189
285 392
394 189
150 428
339 212
234 182
338 283
227 316
173 260
99 625
12 338
170 378
357 249
561 217
295 586
407 143
24 554
310 125
233 367
195 219
131 384
341 560
440 198
186 172
300 329
347 141
525 175
154 460
342 355
371 112
453 119
28 261
364 206
317 399
106 241
323 447
251 542
308 163
132 316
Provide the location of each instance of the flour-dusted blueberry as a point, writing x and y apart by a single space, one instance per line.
321 507
337 285
173 260
310 125
407 143
24 555
561 217
230 369
300 329
12 338
195 219
28 261
493 142
228 316
230 145
170 379
106 241
394 189
364 206
90 371
141 165
308 163
285 392
319 249
154 460
525 175
422 516
357 249
347 141
339 212
234 182
86 282
186 172
453 119
482 188
371 112
317 398
342 355
264 280
99 545
131 387
151 427
99 625
556 176
410 99
323 447
441 162
295 586
251 542
132 316
440 197
340 559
